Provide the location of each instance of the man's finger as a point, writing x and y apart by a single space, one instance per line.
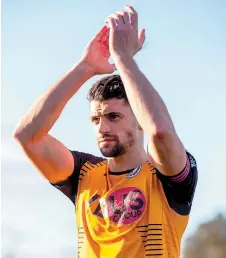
105 36
125 16
111 22
106 43
131 9
133 15
141 37
100 34
118 18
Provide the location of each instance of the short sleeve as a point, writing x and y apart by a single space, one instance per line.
69 186
179 189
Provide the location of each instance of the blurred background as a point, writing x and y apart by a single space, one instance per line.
185 59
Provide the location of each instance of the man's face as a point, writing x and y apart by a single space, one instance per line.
115 126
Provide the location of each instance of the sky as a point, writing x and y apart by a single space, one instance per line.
184 57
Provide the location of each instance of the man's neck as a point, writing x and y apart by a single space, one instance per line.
129 160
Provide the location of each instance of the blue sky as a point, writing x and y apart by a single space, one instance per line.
185 59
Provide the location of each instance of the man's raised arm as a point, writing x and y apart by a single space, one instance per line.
166 151
49 155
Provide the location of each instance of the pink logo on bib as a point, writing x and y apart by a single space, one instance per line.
125 205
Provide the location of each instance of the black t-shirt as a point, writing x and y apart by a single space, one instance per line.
179 189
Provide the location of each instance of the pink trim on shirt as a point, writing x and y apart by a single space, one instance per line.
183 175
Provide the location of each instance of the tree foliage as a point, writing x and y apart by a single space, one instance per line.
209 240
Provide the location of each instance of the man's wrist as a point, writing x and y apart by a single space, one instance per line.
85 68
125 62
122 57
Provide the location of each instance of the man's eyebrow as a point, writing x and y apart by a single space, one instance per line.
112 113
105 114
93 116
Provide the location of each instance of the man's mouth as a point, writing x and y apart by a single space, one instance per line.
106 140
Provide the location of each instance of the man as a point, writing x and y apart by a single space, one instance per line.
132 204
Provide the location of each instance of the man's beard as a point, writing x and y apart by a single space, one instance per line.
112 152
119 149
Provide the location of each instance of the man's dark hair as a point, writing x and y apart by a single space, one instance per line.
106 88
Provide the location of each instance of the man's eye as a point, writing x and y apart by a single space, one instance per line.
95 120
113 116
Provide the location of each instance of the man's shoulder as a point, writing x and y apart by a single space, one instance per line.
84 158
83 163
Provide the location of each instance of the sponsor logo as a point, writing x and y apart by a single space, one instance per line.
123 206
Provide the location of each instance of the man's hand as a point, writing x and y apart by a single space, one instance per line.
124 38
96 54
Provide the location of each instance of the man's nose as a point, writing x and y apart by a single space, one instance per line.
103 126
